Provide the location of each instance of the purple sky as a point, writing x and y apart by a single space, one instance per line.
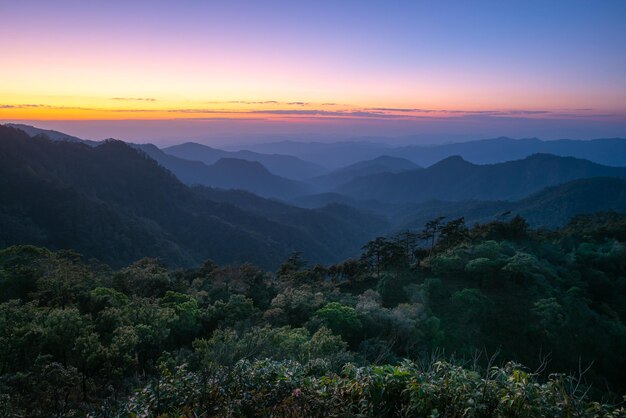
219 72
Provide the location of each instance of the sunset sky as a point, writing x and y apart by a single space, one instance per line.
171 70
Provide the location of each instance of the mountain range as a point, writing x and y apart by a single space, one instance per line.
454 179
550 208
378 165
49 133
611 151
332 155
228 173
118 202
115 203
281 165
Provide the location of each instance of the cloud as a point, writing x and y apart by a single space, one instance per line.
129 110
135 99
396 109
24 106
329 113
387 113
249 102
512 113
528 112
200 111
265 102
293 112
42 106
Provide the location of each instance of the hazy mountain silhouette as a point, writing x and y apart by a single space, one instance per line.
227 173
117 204
231 173
610 151
282 165
50 134
551 207
319 221
320 200
251 177
603 151
382 164
454 179
328 154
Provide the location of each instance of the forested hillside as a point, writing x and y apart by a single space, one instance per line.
441 321
227 173
114 203
454 179
549 208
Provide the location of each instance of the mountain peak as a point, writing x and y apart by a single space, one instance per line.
193 145
52 135
453 161
240 164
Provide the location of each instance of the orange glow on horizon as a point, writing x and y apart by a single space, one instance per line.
151 107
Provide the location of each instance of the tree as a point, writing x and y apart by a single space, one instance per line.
430 231
340 318
187 323
470 308
408 240
452 234
146 277
381 253
293 264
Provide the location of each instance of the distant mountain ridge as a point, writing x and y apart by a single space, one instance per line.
51 134
382 164
117 204
281 165
227 173
610 151
338 186
246 174
333 155
120 202
455 179
551 207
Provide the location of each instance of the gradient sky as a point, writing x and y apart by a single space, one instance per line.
170 70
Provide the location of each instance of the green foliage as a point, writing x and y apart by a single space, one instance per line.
341 319
364 338
270 388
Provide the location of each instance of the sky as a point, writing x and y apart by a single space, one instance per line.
219 71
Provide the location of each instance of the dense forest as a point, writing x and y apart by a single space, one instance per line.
496 319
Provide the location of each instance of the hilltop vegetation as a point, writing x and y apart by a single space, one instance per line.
550 208
435 322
